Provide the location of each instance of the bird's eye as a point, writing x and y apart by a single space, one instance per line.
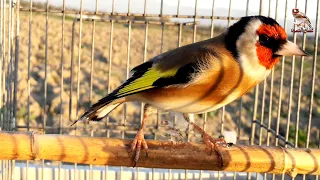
264 39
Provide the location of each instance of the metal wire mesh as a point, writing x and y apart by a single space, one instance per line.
57 59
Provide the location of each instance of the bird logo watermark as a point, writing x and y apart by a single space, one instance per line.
301 22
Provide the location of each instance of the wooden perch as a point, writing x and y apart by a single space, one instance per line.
161 154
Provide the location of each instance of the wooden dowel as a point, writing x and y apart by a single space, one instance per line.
161 154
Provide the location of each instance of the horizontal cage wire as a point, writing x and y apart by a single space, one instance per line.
59 57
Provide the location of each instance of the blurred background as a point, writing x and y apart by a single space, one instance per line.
58 57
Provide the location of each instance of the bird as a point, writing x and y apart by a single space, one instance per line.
201 77
301 19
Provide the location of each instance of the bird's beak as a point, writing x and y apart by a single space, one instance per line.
290 49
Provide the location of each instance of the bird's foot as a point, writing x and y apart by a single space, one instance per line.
213 144
137 144
216 145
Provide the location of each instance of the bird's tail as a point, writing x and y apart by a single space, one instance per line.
99 110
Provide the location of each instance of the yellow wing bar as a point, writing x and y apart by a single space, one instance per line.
145 81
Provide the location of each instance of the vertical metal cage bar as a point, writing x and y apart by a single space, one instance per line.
145 36
300 84
317 25
1 63
281 79
3 84
125 106
212 20
256 97
5 62
161 51
162 29
314 65
299 94
247 8
11 78
223 109
71 71
8 68
110 67
205 119
91 74
16 69
79 60
13 73
16 64
92 53
145 7
178 8
254 116
1 90
264 84
8 84
229 13
44 118
90 166
270 98
75 170
194 20
255 109
271 91
110 52
261 9
29 64
271 87
63 18
247 13
264 99
178 45
2 32
29 78
145 47
291 87
314 68
269 8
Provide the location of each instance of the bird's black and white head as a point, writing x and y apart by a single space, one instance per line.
259 41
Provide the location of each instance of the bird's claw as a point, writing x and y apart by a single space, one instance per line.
214 144
137 144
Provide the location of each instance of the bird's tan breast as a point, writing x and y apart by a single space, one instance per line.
224 82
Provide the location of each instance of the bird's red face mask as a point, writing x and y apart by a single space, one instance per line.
272 44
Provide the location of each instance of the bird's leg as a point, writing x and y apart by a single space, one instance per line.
139 140
212 144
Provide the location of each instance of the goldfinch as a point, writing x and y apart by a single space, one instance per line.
202 76
301 19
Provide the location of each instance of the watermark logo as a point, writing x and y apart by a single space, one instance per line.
301 22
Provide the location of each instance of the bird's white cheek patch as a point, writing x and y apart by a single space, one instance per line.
246 44
248 58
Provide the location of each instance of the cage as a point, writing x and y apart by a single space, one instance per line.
58 57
